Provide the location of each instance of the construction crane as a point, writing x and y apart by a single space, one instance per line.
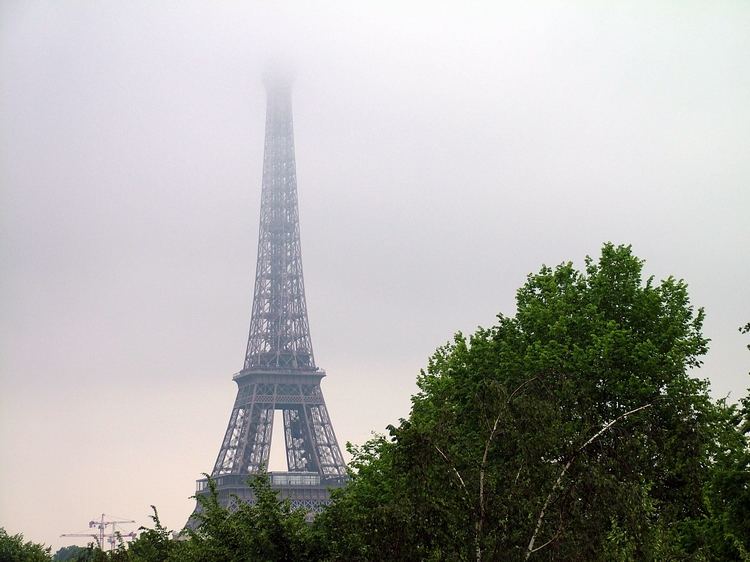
101 527
94 535
102 524
111 537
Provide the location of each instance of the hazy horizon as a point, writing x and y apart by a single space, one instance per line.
444 151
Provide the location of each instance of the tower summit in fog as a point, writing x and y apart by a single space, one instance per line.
279 371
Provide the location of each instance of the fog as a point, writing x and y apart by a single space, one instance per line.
444 151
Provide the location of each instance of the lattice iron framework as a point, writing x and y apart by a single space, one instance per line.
279 371
279 330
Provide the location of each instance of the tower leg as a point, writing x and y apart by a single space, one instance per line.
298 450
260 440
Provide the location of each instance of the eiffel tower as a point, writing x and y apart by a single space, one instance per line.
279 372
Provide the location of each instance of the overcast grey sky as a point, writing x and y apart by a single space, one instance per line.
445 150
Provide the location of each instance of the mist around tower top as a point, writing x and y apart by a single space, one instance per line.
279 74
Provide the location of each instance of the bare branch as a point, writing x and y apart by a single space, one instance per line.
547 543
610 424
554 537
479 527
479 524
530 548
453 468
512 394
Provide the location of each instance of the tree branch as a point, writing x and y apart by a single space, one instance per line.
530 548
458 475
512 394
479 524
479 527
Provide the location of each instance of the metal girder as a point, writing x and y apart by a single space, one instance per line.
279 330
311 444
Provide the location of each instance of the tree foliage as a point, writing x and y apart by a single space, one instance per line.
75 553
269 529
572 430
13 548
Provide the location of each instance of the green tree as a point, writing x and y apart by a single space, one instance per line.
268 530
725 533
13 548
372 518
68 553
72 553
155 544
572 430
